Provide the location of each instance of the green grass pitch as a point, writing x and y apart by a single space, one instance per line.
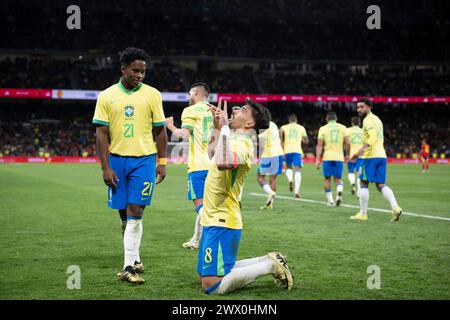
55 215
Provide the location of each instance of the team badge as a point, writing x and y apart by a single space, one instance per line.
129 111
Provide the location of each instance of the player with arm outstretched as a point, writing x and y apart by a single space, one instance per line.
373 169
196 124
128 114
232 152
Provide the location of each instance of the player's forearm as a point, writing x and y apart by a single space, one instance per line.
363 149
102 146
180 133
318 152
224 155
161 141
212 143
347 147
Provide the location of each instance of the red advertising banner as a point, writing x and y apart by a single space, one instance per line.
262 98
56 159
26 93
62 159
231 97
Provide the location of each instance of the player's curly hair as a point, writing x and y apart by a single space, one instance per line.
367 101
130 54
260 114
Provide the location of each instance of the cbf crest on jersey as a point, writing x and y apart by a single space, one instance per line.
129 111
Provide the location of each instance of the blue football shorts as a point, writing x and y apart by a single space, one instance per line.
196 184
293 159
331 168
270 165
218 251
374 170
136 181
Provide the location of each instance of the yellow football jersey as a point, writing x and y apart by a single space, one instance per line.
293 136
373 136
130 116
272 142
355 136
199 120
333 135
223 188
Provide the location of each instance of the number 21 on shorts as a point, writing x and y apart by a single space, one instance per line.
148 188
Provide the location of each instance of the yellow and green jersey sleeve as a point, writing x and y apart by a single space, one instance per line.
199 121
373 136
223 188
356 139
333 135
130 116
293 135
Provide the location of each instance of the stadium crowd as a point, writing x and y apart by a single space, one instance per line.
288 46
68 131
97 74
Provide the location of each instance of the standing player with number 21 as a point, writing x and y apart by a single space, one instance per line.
128 114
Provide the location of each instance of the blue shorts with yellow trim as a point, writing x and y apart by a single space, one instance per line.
218 251
293 159
331 168
374 170
354 166
270 165
196 184
136 181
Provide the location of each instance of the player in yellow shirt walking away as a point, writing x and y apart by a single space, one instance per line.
355 137
332 137
270 163
231 149
292 136
374 162
129 114
196 124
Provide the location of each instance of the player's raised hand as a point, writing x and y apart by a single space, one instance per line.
160 173
110 178
214 111
222 114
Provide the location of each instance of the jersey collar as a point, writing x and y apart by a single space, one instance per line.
123 89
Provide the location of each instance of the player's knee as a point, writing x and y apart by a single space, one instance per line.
135 210
380 186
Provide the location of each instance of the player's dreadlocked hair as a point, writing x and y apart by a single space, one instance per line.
130 54
260 114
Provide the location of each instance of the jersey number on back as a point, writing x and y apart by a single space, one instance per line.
356 138
334 135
